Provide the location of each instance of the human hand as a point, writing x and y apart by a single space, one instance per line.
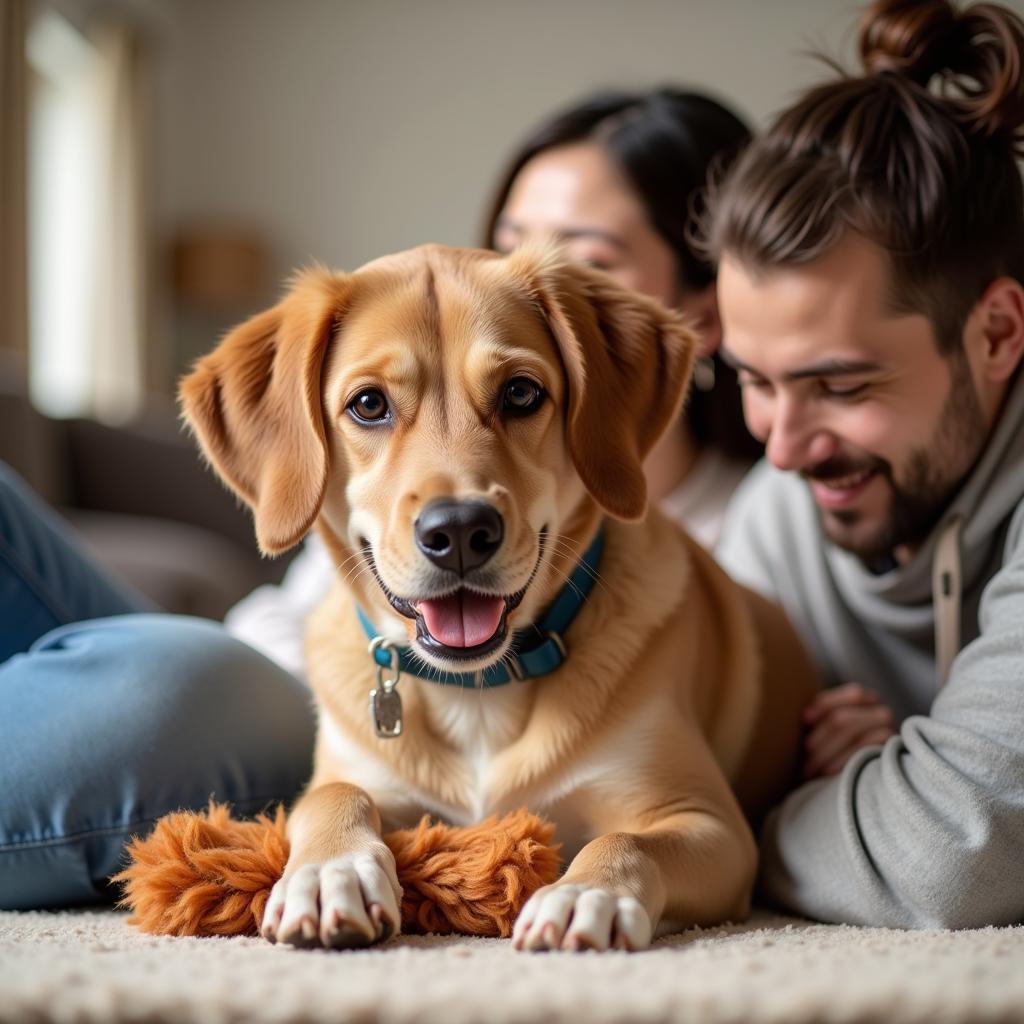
839 722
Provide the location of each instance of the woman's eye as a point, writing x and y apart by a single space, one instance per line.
745 381
369 406
521 397
847 392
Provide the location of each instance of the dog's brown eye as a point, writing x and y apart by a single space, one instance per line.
369 406
522 396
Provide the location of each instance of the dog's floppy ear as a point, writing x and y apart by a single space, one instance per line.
628 361
254 403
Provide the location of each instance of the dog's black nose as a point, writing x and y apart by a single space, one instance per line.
459 535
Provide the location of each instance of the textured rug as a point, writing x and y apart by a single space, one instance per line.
88 966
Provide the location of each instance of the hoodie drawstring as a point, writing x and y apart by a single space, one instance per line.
947 594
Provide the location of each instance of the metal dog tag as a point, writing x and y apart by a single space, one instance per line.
386 712
385 704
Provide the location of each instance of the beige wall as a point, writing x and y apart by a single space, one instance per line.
344 129
350 129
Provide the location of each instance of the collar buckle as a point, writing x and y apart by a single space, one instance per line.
557 640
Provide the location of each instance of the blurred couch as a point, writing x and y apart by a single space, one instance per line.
144 504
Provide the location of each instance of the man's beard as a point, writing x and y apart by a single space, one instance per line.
932 476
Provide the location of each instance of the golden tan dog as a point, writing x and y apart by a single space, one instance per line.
460 427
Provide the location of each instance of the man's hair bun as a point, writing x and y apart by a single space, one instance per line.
911 37
974 58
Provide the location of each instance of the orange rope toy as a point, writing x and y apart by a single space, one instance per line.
205 873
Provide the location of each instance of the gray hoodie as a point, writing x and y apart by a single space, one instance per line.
928 830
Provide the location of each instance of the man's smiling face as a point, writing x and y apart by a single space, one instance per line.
851 394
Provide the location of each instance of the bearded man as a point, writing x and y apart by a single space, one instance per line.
871 260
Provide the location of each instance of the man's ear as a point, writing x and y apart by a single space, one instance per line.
1001 314
254 403
628 362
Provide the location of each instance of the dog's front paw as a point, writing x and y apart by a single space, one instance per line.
347 902
570 916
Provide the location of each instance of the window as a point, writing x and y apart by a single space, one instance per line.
85 257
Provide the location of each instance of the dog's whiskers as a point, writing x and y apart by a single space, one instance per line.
352 560
569 583
357 561
561 546
566 542
360 572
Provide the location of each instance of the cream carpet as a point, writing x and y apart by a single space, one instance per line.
88 966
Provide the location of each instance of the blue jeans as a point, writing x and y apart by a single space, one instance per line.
111 717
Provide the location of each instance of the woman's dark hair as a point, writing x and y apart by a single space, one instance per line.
917 153
665 143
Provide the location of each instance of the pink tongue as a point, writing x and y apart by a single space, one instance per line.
463 619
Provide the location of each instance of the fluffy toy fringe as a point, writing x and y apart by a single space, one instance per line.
204 873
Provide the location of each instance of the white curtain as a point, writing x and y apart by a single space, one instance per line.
118 336
88 247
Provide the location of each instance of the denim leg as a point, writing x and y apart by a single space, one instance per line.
109 724
46 580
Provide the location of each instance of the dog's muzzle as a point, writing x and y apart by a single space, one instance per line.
460 536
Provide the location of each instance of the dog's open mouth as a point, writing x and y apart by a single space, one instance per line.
464 625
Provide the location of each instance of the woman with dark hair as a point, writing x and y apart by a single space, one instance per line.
619 178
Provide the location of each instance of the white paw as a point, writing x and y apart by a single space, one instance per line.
346 902
569 916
